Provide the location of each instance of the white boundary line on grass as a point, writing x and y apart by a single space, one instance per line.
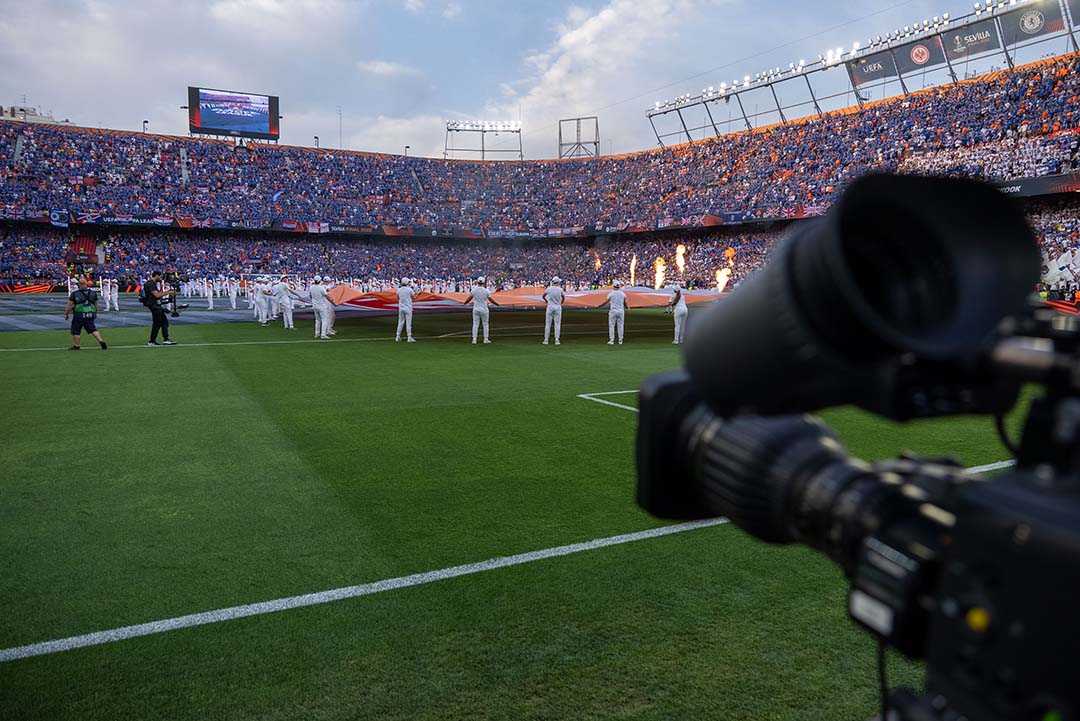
337 594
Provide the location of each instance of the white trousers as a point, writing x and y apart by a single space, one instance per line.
232 300
286 313
210 300
680 324
330 317
320 321
115 298
478 315
404 319
553 317
275 307
616 320
261 309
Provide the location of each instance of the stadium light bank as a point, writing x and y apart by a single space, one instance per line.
483 128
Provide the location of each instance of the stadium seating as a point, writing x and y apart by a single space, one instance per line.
1009 124
35 253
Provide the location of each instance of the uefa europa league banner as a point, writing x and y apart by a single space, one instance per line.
1031 20
974 39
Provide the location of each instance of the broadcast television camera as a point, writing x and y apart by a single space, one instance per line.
171 280
910 299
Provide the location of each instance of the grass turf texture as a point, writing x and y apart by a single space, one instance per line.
145 483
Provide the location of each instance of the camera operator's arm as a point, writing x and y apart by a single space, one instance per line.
68 307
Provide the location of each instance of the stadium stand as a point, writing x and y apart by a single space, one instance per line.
1005 125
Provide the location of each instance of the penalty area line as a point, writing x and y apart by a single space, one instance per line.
314 599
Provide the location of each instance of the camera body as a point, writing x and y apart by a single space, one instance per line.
886 305
171 281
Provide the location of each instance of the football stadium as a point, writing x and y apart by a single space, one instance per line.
769 415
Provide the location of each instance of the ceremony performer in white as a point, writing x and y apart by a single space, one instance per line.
405 297
233 287
114 294
678 304
616 300
208 288
283 296
554 296
319 304
480 297
331 315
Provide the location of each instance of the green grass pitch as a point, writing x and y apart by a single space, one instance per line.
145 483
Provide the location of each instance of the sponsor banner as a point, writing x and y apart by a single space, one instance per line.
974 39
1074 10
919 55
80 259
1048 185
16 288
365 229
1031 20
59 218
878 66
83 218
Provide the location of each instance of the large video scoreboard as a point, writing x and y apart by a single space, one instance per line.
228 112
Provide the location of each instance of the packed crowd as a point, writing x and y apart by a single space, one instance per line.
33 253
1001 126
37 255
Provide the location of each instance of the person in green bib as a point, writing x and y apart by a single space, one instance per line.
83 303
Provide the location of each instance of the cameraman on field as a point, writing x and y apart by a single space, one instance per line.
153 292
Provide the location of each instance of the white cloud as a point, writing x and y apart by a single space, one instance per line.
452 10
591 60
386 69
425 133
413 7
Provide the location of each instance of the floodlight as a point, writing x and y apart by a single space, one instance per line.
746 79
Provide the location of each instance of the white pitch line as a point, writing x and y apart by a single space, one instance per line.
337 594
587 397
608 393
991 467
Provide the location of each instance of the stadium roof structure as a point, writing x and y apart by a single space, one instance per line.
991 29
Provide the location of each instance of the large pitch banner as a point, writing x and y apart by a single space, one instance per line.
1031 20
919 55
878 66
980 37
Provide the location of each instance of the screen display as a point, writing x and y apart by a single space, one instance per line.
227 112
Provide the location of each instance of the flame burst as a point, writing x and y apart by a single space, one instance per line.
660 266
730 255
597 256
722 277
680 258
633 270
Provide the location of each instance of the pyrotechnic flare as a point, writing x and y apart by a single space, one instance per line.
660 266
680 258
730 255
633 271
597 256
722 277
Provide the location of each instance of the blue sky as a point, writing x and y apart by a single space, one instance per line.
400 68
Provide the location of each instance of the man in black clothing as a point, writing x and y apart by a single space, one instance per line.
83 303
153 293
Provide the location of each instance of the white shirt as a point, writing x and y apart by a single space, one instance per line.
404 297
281 291
318 297
555 296
681 304
618 301
480 296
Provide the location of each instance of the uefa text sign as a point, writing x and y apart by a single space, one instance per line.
974 39
878 66
920 55
1032 20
